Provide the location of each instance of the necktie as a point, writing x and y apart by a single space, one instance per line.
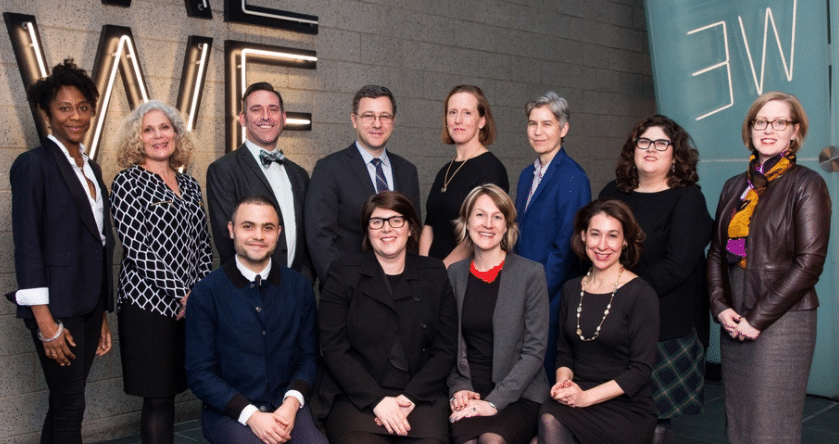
271 156
381 182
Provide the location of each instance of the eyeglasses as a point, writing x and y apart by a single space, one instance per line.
644 144
377 223
777 124
369 118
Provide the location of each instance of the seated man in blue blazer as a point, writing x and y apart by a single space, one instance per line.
251 341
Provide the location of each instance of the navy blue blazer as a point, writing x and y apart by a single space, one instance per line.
340 185
57 242
236 175
250 345
547 225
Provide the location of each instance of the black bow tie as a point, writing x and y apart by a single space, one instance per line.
267 157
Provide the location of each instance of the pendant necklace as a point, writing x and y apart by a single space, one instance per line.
446 179
605 313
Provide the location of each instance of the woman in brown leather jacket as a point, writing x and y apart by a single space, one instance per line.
768 249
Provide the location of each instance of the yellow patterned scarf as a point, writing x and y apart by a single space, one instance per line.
741 217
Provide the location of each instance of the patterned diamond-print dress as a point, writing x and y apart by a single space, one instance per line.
166 246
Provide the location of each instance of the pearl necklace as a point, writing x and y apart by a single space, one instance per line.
605 313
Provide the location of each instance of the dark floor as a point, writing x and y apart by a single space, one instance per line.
821 423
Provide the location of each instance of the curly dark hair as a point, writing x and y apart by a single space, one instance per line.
685 155
44 91
632 233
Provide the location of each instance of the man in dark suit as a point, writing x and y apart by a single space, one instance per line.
342 181
258 167
251 344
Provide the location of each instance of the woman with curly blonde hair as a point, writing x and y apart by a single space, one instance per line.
160 219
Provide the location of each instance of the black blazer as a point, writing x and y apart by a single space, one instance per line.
57 242
340 186
235 176
360 320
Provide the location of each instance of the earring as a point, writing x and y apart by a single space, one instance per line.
673 167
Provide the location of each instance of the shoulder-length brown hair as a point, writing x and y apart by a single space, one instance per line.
488 132
685 155
632 233
394 201
129 146
505 206
797 117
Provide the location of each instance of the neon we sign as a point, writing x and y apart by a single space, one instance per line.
117 53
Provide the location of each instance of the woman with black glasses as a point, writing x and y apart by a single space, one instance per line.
656 178
388 326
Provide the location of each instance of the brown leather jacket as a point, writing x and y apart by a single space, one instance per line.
787 245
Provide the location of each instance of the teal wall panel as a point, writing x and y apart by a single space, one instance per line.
710 60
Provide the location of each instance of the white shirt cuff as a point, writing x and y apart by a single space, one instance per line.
297 395
33 296
246 414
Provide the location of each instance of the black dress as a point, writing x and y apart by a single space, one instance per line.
166 250
624 352
442 208
678 228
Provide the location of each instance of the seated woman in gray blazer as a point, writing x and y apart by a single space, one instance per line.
498 381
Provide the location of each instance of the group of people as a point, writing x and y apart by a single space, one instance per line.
548 319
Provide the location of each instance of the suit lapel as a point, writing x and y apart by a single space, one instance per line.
80 199
253 169
552 169
356 164
373 283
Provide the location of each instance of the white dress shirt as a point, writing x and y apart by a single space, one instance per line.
281 186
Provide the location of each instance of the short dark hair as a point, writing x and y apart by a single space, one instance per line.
685 155
260 86
255 199
372 92
488 132
394 201
44 91
632 233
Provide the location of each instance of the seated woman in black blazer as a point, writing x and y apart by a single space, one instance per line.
63 248
499 381
388 324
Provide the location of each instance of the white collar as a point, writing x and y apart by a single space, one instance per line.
250 275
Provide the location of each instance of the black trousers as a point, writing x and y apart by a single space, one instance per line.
63 424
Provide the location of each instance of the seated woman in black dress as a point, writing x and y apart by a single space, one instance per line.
499 380
607 343
388 325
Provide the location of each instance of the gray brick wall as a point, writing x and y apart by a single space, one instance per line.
593 52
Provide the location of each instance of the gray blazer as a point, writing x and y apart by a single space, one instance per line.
520 333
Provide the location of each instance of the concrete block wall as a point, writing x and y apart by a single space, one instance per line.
593 52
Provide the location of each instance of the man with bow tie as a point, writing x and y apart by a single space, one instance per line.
259 168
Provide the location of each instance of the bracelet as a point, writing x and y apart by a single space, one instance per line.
492 405
57 334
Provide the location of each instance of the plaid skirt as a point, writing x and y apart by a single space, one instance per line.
678 377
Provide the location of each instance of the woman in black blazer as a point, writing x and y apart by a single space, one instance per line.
499 380
387 322
63 248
